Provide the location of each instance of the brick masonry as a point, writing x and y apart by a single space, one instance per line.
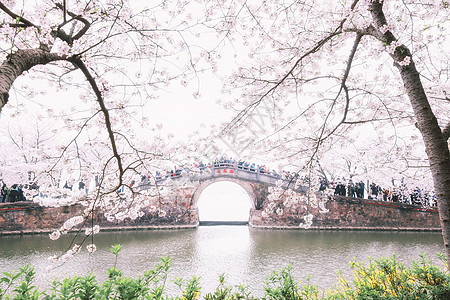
353 214
344 213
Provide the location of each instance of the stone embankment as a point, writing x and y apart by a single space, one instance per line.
31 218
342 214
345 213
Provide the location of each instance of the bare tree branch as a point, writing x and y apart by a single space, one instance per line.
82 31
16 17
19 62
80 64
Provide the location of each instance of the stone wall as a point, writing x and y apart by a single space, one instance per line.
28 217
342 213
353 214
24 217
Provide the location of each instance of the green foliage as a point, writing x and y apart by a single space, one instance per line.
226 292
282 286
380 279
388 279
24 289
190 289
115 249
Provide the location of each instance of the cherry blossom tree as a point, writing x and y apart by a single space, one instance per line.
99 63
114 56
369 73
30 146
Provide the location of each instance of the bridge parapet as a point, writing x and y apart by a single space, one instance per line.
231 171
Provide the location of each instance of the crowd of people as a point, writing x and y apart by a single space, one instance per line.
348 188
15 193
24 192
222 162
356 189
351 190
400 194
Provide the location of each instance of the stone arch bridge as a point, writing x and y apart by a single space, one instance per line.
254 182
284 203
276 203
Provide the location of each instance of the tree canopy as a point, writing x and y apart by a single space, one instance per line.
307 81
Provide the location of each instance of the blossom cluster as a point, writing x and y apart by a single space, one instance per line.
91 248
406 61
385 28
308 221
92 230
392 46
68 225
76 248
65 257
54 196
272 208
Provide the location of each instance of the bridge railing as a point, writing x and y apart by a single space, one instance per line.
229 170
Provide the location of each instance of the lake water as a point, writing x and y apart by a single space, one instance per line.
247 256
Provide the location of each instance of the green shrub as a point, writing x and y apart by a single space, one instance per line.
388 279
282 286
226 292
380 279
24 290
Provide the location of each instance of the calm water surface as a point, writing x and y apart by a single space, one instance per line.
245 255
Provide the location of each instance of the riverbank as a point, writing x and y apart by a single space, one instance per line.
253 227
335 228
104 229
342 213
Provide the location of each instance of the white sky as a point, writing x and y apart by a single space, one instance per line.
224 201
181 114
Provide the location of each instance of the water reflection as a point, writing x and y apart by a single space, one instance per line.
227 250
246 256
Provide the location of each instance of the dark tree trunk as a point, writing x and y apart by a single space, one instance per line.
436 144
436 147
19 62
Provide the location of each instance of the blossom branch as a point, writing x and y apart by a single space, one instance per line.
243 113
16 17
344 80
72 141
19 62
76 60
344 88
67 38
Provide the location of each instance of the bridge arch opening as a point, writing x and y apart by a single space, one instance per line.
224 201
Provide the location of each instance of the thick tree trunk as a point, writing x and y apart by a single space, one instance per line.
436 144
19 62
436 147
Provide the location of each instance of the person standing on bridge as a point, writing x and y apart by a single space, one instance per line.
350 189
360 192
16 194
4 193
